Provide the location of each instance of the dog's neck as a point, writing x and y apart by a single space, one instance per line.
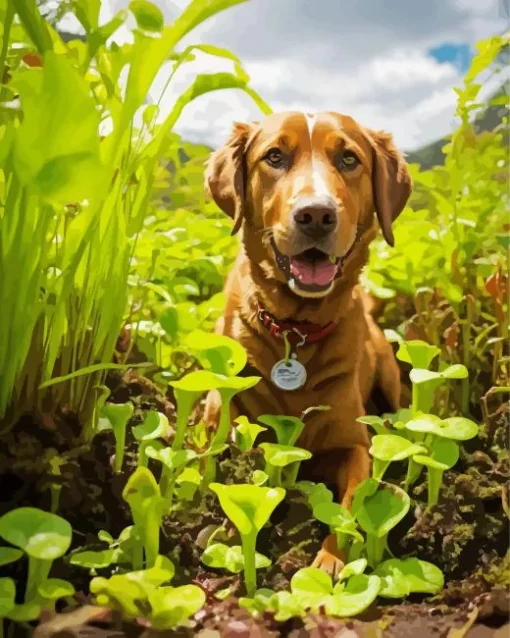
266 287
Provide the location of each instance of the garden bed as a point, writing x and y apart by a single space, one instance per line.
466 535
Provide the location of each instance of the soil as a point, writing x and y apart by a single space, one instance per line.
466 534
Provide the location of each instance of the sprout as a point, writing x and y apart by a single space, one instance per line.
221 556
246 433
387 448
378 507
287 428
279 457
249 508
155 426
143 496
418 353
171 460
341 523
42 536
116 417
443 455
425 383
172 606
399 578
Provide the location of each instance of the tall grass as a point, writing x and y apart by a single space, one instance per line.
72 203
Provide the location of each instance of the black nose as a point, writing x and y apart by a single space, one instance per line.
315 221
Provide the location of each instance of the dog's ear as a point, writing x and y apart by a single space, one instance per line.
391 182
225 174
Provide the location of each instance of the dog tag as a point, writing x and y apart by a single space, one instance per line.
288 375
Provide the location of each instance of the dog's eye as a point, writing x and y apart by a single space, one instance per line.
347 160
274 157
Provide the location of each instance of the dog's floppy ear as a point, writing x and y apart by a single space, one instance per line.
391 182
225 174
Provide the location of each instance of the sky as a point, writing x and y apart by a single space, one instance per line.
390 64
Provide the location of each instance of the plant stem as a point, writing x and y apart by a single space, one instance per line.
137 550
8 19
413 473
375 549
379 468
38 570
185 401
292 474
220 437
250 573
120 446
435 478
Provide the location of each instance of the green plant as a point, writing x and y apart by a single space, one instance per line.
231 558
249 508
246 433
143 496
287 428
42 537
280 457
116 416
155 426
387 448
343 524
401 577
171 462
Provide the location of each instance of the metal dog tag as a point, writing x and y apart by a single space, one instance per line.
288 375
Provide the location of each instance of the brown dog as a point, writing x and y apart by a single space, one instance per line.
304 189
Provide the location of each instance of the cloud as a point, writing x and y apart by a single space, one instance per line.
377 61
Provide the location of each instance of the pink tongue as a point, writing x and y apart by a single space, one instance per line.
320 273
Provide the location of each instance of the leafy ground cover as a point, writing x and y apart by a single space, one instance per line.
120 514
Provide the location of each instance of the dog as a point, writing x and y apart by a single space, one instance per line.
304 191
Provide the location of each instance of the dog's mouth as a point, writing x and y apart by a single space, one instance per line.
310 271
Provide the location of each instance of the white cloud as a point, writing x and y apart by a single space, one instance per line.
357 57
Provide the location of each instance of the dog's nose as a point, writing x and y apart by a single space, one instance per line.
315 220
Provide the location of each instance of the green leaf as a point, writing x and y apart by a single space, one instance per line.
217 353
203 381
55 588
155 426
311 580
456 428
443 455
456 371
283 455
9 555
148 16
399 578
316 492
66 167
353 568
259 477
7 596
248 506
338 518
390 447
418 353
222 556
170 458
39 534
34 24
287 428
25 612
93 559
246 433
358 594
375 422
172 606
379 510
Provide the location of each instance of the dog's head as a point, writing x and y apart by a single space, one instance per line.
306 185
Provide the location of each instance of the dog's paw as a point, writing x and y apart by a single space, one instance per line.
329 558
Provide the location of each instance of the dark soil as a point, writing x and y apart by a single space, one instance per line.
466 535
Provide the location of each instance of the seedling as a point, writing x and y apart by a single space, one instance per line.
221 556
341 523
378 507
287 428
187 483
426 382
52 590
171 462
249 508
116 416
246 433
217 353
143 496
173 606
315 492
401 577
42 536
387 448
155 426
279 457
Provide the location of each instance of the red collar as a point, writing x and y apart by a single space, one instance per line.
299 332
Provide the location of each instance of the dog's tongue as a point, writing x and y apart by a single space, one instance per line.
318 273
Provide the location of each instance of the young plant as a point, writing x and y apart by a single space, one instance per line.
280 457
221 556
155 426
42 536
143 496
249 508
388 448
115 417
245 433
401 577
442 451
378 507
119 551
341 523
171 461
287 428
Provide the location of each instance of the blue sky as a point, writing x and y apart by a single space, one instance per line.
389 69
